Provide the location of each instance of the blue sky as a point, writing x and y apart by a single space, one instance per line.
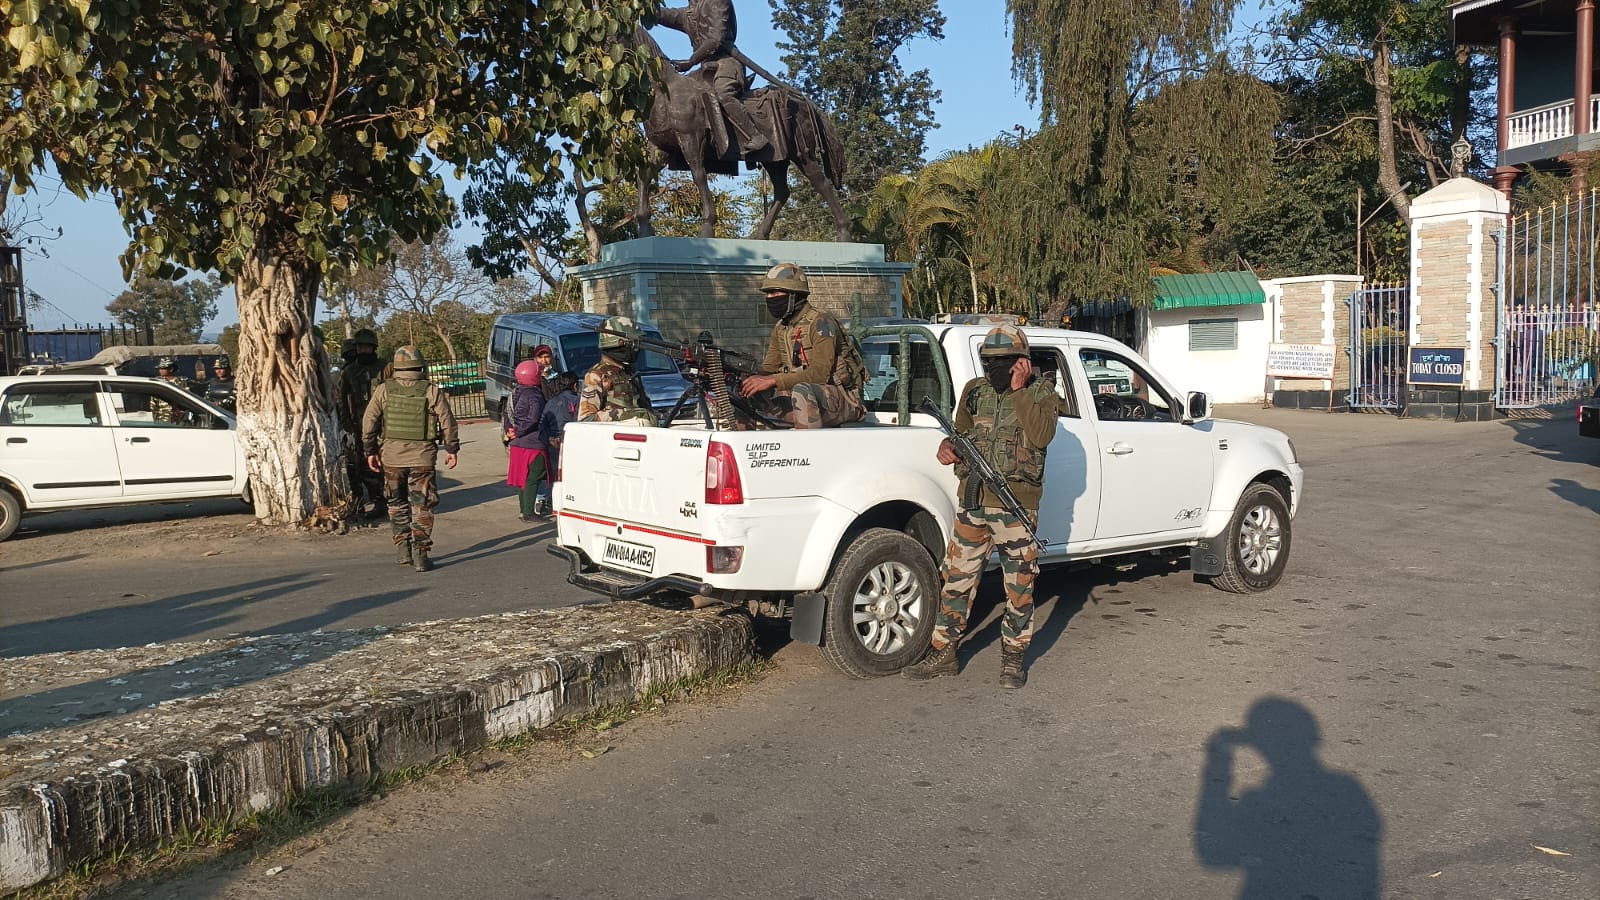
971 67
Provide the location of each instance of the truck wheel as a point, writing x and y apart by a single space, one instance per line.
10 513
882 599
1256 547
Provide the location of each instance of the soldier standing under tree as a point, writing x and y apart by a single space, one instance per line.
812 368
356 382
412 416
1011 417
712 28
611 390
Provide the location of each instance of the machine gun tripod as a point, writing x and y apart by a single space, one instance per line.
714 375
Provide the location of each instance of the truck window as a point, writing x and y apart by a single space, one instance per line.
1122 390
888 375
526 342
1050 365
500 347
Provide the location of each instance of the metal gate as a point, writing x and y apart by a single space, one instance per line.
1548 334
1379 316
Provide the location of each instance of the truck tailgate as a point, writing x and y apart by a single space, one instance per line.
630 497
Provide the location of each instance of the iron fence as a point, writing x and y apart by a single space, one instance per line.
1379 317
462 383
1547 340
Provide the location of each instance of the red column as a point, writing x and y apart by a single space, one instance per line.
1583 84
1505 175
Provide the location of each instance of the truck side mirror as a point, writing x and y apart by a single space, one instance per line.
1197 407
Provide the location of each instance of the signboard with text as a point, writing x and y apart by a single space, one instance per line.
1300 360
1437 366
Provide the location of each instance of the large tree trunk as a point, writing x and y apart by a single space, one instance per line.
1388 170
286 414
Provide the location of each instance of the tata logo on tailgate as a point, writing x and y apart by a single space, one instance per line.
625 493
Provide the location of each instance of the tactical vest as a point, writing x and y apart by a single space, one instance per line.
997 432
405 412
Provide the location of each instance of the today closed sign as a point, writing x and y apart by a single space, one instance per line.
1437 366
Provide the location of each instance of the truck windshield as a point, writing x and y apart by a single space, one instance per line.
582 351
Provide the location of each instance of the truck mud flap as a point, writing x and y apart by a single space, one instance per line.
806 624
1205 557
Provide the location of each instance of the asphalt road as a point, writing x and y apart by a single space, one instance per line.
1411 713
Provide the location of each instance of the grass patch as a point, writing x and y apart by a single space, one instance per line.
235 841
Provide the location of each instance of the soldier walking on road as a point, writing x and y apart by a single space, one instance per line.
611 390
412 416
1011 417
360 374
812 368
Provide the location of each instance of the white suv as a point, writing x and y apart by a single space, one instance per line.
73 441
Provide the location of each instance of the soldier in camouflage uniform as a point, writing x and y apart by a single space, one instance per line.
162 410
412 416
611 391
1011 417
359 375
812 368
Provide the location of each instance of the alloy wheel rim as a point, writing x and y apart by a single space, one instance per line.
887 608
1260 540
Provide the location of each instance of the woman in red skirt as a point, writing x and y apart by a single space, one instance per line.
527 469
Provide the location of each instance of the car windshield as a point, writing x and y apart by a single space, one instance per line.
582 351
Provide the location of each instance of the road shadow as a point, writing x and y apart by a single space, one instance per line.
523 538
1304 831
42 563
177 617
193 676
457 498
1556 437
1575 493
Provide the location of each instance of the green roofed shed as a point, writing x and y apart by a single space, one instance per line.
1209 289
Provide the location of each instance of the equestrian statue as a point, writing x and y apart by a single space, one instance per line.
705 119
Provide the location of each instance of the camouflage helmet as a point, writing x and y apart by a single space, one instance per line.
407 357
221 362
786 276
621 324
1004 340
366 336
164 362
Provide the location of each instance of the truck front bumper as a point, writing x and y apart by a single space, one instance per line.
583 573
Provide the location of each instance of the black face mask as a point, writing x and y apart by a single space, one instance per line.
779 306
998 370
366 359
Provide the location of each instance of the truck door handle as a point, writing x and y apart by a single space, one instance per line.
138 440
1119 449
16 440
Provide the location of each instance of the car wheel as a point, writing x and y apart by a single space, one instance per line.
10 513
882 600
1256 547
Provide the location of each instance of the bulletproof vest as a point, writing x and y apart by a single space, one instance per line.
360 380
997 432
405 412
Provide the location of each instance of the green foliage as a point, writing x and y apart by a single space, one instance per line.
844 55
167 312
525 221
306 131
674 209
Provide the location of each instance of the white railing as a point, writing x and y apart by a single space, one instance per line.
1550 122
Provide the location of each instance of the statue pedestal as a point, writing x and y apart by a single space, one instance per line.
685 285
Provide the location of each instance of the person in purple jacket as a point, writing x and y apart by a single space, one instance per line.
561 408
529 465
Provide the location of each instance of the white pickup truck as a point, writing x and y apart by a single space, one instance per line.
842 529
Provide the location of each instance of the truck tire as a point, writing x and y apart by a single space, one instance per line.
10 513
1256 547
882 598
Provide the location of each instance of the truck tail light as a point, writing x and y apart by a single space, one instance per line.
722 476
724 560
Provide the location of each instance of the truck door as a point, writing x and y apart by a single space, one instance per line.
1071 506
1156 472
54 439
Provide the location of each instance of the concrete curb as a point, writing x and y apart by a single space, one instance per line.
49 826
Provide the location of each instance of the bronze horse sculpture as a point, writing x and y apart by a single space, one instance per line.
687 128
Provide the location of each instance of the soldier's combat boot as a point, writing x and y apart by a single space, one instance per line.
402 554
420 561
1013 674
934 663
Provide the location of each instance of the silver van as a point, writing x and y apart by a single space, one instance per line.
577 348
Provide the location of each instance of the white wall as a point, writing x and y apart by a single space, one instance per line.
1227 376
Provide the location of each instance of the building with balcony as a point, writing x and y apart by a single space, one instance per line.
1546 107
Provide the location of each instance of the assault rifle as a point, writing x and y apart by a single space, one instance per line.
982 468
714 375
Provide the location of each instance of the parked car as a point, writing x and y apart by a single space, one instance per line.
1589 416
573 339
74 441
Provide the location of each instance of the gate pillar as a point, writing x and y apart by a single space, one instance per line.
1456 229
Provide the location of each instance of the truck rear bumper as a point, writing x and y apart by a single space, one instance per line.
583 573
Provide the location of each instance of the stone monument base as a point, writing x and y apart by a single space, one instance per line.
684 286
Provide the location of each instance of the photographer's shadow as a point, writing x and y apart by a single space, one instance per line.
1305 831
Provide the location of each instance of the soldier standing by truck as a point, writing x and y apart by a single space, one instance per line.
812 368
1011 417
412 417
